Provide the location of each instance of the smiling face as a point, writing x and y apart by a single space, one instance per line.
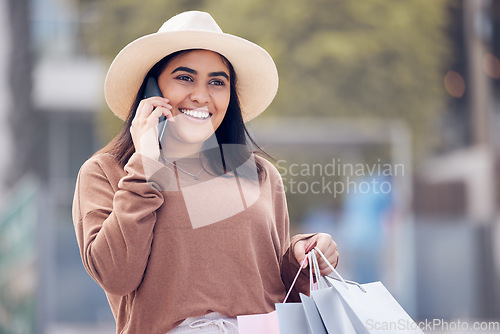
197 85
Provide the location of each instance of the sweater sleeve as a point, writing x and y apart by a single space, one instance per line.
114 221
289 268
289 264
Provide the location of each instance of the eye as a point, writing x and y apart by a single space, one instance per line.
184 77
217 82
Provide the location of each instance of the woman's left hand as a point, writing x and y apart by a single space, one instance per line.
325 244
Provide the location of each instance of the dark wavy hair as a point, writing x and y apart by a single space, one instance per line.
235 144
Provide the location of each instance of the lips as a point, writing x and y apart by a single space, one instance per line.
198 113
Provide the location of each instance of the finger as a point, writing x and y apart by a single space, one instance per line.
155 115
147 106
311 245
325 241
330 251
168 114
156 99
299 251
330 255
328 247
139 110
325 269
154 118
157 102
325 272
153 106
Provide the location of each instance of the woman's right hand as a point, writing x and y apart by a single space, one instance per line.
144 127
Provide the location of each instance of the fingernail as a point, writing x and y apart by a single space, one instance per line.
303 264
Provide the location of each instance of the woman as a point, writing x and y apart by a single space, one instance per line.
186 233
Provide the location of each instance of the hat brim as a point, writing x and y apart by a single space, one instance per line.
257 76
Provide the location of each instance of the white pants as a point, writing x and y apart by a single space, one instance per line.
212 323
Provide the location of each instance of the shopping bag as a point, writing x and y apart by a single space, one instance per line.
332 311
258 323
303 317
373 309
328 303
293 319
313 318
370 308
291 316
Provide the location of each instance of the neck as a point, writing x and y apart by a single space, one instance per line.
173 149
180 151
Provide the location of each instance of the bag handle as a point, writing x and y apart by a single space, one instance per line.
314 272
340 278
295 279
313 265
317 272
311 279
331 267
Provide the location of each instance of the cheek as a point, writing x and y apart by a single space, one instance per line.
173 98
222 101
173 93
221 111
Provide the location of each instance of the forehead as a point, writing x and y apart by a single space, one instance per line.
199 60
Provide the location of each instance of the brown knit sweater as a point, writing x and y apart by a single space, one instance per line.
165 247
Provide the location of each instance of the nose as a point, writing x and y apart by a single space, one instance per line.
200 94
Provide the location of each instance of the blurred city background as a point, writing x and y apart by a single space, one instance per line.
385 130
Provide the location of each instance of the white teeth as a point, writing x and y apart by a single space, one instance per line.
202 114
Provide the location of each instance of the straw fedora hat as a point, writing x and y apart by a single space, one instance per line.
257 76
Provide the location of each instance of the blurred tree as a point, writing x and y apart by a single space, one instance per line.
376 58
27 128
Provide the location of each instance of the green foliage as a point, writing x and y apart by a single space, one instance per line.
376 58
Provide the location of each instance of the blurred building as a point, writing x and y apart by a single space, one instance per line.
67 91
51 91
457 192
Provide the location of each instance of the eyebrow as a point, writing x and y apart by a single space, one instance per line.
211 74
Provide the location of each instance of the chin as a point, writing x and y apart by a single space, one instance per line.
195 138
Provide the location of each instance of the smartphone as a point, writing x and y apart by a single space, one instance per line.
152 89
